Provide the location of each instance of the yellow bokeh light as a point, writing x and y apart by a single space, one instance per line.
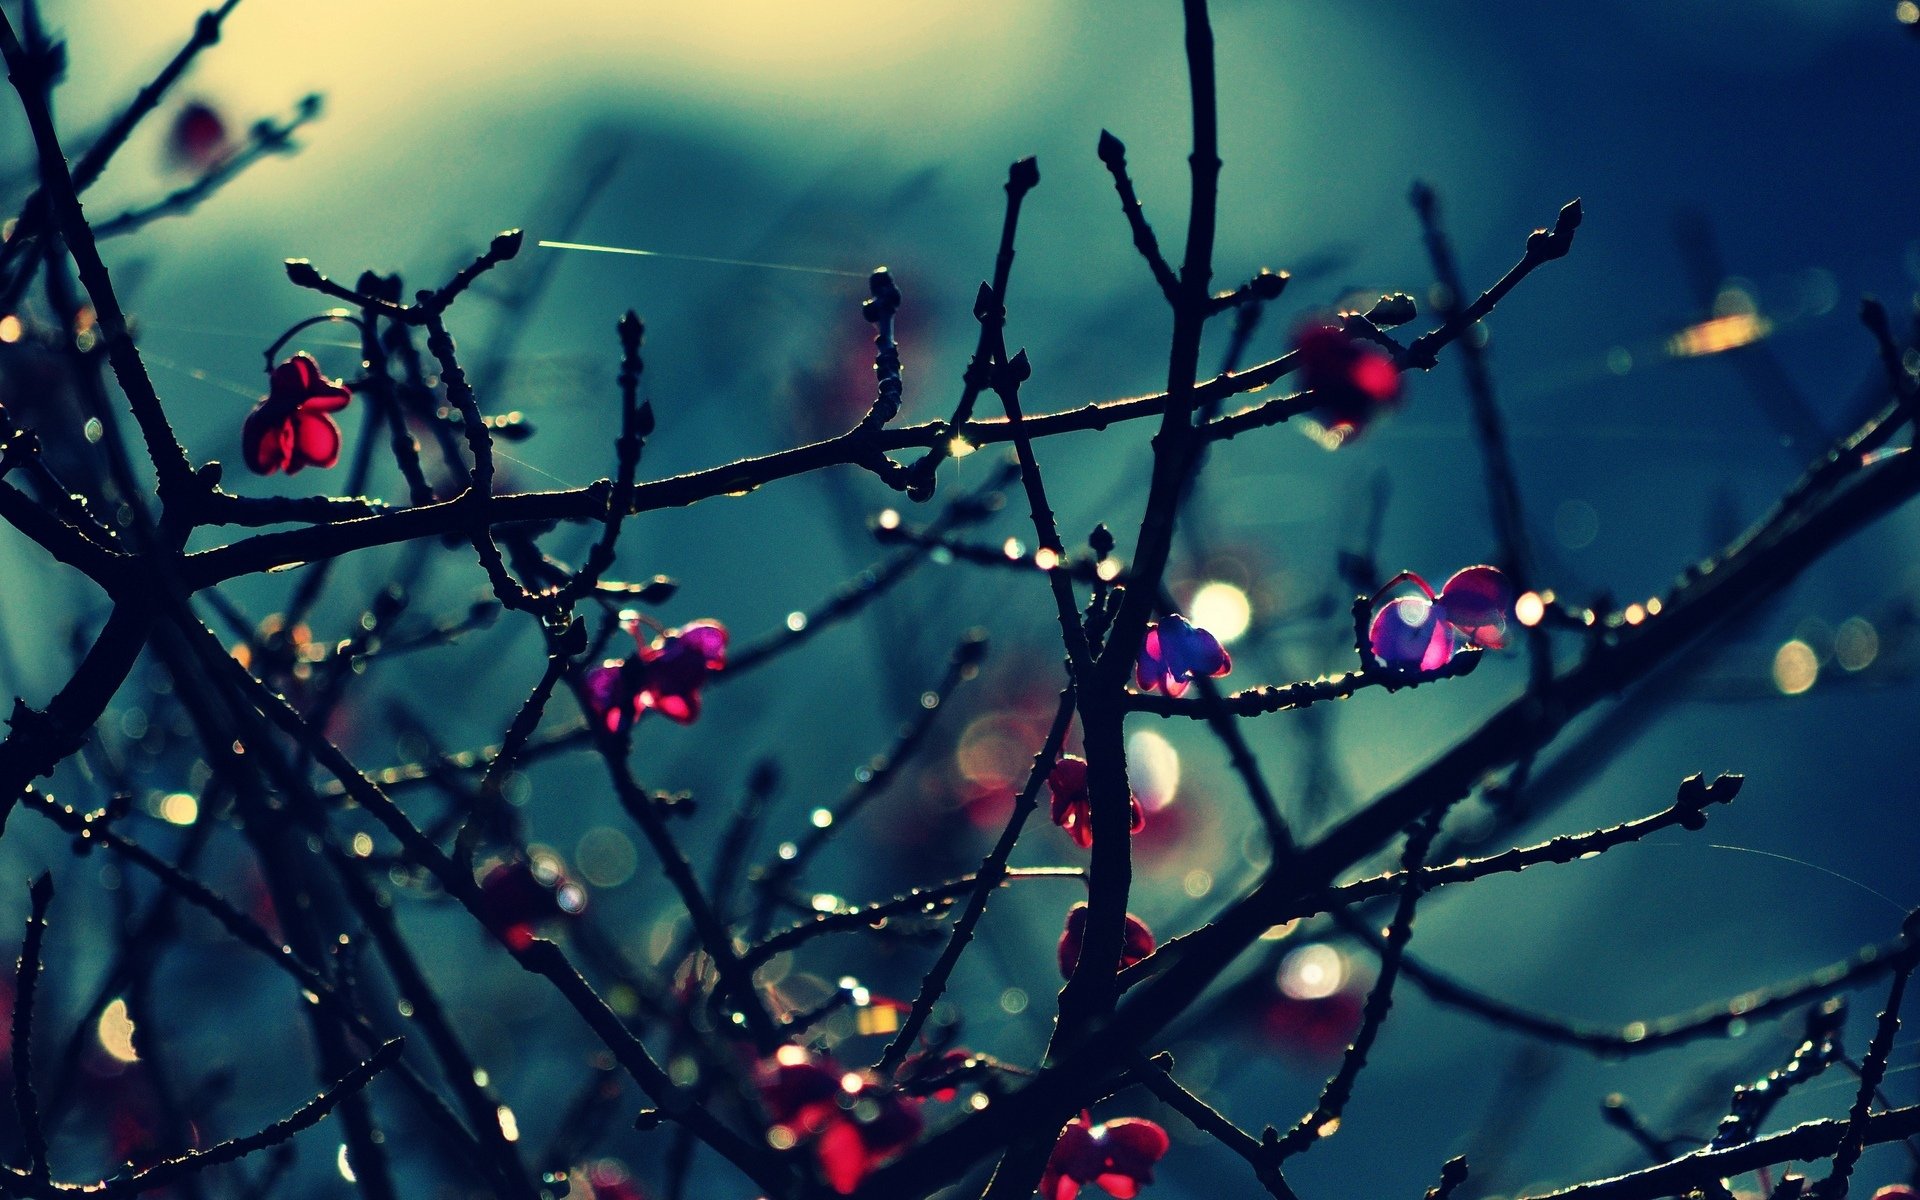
1222 609
179 809
1529 609
877 1019
10 329
1718 335
116 1032
1046 558
1795 667
1907 12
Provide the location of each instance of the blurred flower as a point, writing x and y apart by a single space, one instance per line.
1073 807
1137 945
603 1179
1118 1156
1352 381
665 676
518 894
1312 1006
935 1073
1174 652
289 428
855 1121
1316 1028
198 139
1423 632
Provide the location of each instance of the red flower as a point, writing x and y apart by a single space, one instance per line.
1118 1156
1422 632
290 428
1352 381
518 894
198 139
1138 943
1073 808
665 676
856 1122
1174 652
1316 1001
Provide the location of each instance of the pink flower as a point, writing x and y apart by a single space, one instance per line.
1422 632
1118 1156
1352 381
665 676
1137 945
1174 652
856 1123
1073 807
289 428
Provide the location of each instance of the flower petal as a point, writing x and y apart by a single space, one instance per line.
1477 601
1188 650
683 707
266 440
1408 635
1134 1140
709 637
1149 670
843 1156
318 440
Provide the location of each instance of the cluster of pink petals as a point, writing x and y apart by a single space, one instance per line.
854 1121
1422 631
1073 806
1117 1157
289 428
664 676
1138 942
1176 652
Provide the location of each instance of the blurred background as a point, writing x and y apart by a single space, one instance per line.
1746 173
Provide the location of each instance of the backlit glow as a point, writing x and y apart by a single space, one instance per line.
1795 667
1313 972
1222 610
116 1032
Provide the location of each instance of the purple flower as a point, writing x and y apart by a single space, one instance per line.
1175 652
665 676
1421 632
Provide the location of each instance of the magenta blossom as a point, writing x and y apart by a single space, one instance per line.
1072 806
290 428
1117 1156
855 1122
1174 652
1421 632
1136 945
665 676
